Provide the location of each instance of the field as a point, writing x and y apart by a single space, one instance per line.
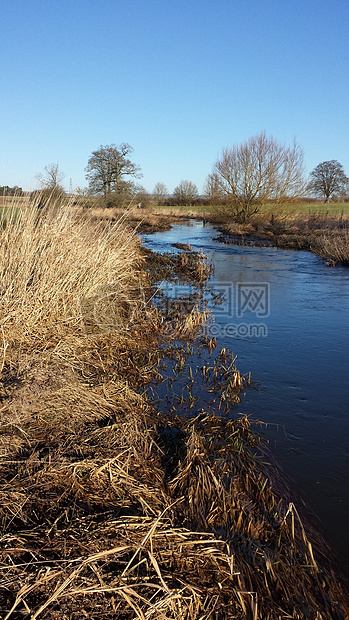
332 208
7 202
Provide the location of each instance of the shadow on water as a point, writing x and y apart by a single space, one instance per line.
285 314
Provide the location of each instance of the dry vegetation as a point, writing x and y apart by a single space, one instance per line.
109 509
147 220
334 246
325 234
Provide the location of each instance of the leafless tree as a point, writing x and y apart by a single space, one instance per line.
51 178
107 168
160 192
185 193
212 189
259 171
328 178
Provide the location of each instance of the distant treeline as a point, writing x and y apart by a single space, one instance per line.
5 190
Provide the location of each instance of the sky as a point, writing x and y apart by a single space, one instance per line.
178 80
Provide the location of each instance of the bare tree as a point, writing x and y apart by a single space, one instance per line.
328 178
160 192
140 196
185 193
52 191
107 168
212 189
259 171
51 178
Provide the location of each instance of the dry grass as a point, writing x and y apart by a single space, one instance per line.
100 516
14 201
334 247
61 275
180 212
146 220
95 528
323 233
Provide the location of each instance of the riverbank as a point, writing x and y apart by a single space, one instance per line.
110 507
325 233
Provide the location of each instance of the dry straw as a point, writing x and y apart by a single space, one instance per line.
60 273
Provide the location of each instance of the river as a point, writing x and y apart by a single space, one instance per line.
285 315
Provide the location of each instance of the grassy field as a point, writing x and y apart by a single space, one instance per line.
332 208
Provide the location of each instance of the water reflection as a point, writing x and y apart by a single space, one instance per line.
301 367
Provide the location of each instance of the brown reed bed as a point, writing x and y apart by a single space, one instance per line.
109 508
144 220
322 233
94 527
188 265
333 247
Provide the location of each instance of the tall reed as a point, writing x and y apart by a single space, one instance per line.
61 274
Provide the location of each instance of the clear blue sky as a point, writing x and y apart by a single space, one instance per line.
176 79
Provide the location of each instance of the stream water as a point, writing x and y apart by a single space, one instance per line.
285 314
